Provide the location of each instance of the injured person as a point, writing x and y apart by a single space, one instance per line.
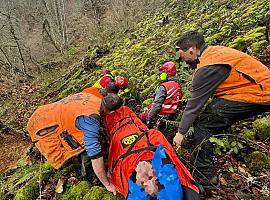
142 163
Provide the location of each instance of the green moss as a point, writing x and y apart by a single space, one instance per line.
147 102
76 192
64 171
214 38
265 198
100 193
239 43
262 128
257 46
24 182
29 191
258 160
254 37
72 51
249 134
2 195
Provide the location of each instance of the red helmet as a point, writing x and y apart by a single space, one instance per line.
169 68
121 82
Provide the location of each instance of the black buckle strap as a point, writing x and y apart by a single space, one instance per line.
129 122
120 121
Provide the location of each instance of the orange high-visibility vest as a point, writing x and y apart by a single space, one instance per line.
94 91
249 80
53 130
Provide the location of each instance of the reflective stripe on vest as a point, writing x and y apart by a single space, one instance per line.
172 100
249 80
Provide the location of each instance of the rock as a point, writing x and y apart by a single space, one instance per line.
262 128
77 191
258 160
100 193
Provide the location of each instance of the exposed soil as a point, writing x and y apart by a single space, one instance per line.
12 148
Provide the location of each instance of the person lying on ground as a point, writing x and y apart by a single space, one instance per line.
142 163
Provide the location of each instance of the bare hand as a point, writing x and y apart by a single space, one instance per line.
111 188
178 139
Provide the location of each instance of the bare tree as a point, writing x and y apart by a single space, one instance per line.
10 30
33 31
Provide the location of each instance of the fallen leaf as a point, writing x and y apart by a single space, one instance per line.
60 185
223 181
72 180
235 176
242 171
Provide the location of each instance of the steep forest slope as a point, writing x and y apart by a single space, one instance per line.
243 158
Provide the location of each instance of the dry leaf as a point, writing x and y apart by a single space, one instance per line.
235 176
242 171
72 180
223 181
60 185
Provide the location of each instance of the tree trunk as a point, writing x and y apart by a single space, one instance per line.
46 26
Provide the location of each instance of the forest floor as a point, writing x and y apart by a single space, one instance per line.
13 147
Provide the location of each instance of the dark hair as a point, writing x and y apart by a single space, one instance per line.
112 88
112 102
190 39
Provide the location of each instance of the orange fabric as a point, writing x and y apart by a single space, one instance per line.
237 86
61 114
119 130
94 91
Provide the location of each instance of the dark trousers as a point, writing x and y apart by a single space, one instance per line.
219 115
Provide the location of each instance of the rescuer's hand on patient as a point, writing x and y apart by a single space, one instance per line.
178 139
111 188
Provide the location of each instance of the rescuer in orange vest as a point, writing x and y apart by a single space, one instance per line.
167 98
131 144
66 128
239 85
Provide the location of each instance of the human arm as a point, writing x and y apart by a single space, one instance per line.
90 126
99 169
204 84
158 101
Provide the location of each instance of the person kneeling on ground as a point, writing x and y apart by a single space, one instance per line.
64 129
167 98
